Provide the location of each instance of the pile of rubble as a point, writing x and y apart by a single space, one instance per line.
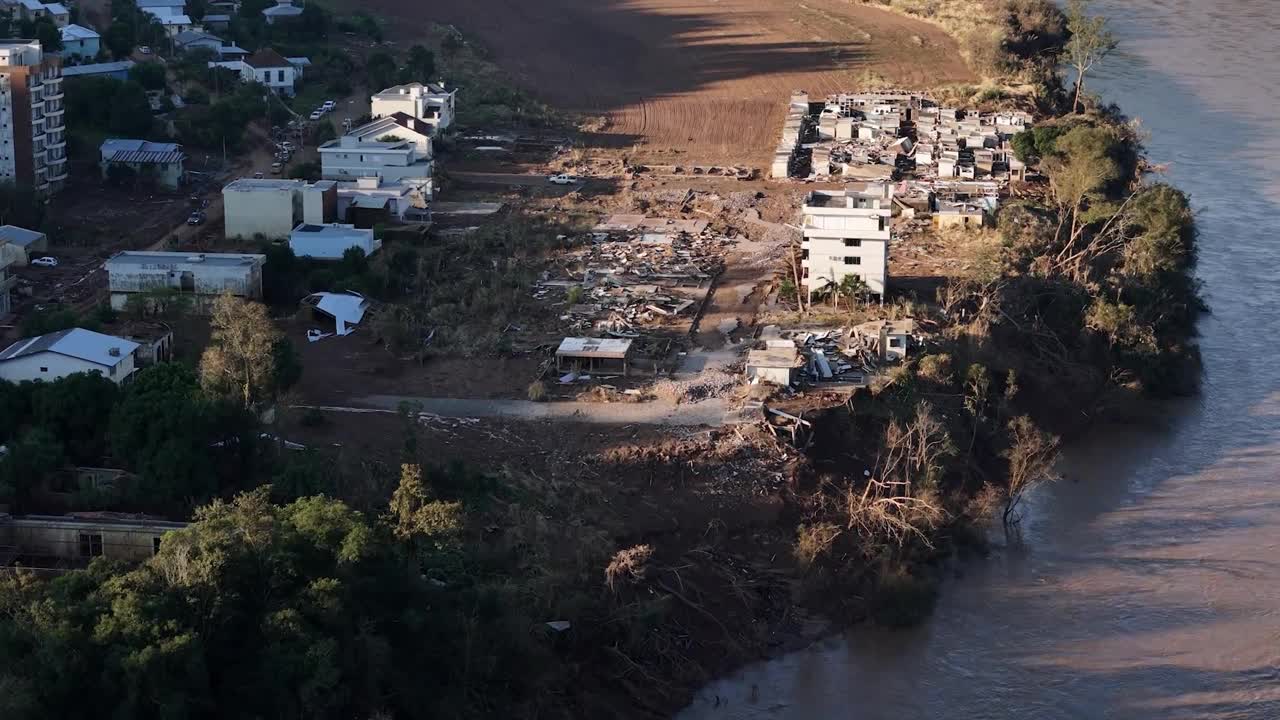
622 281
850 355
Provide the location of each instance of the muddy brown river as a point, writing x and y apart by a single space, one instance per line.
1148 584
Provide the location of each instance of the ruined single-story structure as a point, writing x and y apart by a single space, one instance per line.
606 355
200 276
774 364
345 309
72 540
890 338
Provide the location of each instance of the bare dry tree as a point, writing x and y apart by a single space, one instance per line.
898 502
627 565
1032 455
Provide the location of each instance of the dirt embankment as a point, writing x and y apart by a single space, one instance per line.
709 81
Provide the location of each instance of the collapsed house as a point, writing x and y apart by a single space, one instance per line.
345 310
637 272
879 136
846 355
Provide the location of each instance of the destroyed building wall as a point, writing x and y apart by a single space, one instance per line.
203 277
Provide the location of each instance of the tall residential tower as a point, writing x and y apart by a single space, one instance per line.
33 139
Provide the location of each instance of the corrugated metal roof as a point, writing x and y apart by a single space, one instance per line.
77 343
19 236
78 32
178 258
97 68
141 151
609 348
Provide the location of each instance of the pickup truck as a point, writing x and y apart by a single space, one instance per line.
562 179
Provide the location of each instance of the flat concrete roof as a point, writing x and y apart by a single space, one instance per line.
258 185
129 257
607 348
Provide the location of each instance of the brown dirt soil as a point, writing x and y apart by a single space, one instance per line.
709 80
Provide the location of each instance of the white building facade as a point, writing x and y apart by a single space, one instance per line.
57 355
847 233
271 209
330 242
349 157
80 42
201 277
33 142
430 103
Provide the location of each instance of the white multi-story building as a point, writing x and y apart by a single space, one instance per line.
391 160
33 143
271 209
430 103
846 232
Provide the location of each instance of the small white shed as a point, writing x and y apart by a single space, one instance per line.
329 242
775 364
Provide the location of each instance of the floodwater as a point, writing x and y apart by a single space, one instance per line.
1148 585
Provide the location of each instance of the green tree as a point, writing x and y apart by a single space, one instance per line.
77 410
1091 42
26 465
19 206
130 113
381 70
163 429
286 369
119 39
150 75
420 66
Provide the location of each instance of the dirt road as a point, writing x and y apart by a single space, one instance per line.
710 79
712 412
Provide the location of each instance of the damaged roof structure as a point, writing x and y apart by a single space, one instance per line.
345 309
636 272
881 136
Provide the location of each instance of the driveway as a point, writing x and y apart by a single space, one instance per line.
712 412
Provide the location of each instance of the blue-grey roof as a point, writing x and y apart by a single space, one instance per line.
161 3
78 32
217 18
97 68
140 151
105 350
19 236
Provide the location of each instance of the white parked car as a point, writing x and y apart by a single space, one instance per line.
329 105
317 114
45 262
562 179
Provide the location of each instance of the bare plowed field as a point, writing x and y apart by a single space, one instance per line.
708 78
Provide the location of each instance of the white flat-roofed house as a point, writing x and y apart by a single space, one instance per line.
80 42
331 241
431 103
846 232
66 352
398 126
202 277
404 201
271 209
161 162
349 158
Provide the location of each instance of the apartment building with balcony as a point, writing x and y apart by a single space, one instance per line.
33 142
846 232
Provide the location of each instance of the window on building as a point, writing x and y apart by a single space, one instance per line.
90 545
804 254
805 275
44 369
279 76
853 261
895 342
850 242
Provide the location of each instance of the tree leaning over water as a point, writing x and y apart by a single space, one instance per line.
1091 41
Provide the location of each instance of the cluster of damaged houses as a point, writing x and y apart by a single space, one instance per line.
884 136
